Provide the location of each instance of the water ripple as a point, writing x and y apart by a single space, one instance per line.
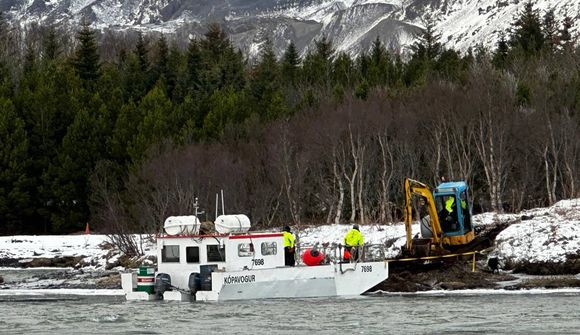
393 314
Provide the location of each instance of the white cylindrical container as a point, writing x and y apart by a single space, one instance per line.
238 223
182 225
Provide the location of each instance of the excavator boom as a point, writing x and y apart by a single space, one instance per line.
413 187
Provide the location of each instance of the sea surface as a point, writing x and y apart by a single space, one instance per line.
476 312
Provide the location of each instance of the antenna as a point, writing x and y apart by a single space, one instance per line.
216 205
223 208
196 225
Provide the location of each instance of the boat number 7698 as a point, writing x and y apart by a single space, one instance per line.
258 261
367 268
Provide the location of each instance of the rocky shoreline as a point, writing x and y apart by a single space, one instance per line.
458 276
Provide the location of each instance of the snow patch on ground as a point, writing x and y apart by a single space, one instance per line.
92 248
546 235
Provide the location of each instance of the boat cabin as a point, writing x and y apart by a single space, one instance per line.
232 248
180 255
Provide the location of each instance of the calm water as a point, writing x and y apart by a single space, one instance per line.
556 313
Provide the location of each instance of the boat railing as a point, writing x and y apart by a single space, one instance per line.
334 252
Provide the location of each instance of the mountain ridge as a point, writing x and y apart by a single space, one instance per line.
352 25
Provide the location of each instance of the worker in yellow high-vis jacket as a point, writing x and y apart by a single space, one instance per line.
289 247
353 240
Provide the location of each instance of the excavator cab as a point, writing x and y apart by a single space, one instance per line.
447 225
453 209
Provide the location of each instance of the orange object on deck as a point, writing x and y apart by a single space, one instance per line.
87 230
346 255
312 257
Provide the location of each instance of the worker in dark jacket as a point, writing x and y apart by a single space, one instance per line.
289 247
352 242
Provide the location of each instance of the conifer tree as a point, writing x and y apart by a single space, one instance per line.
318 64
137 71
343 73
6 86
29 59
51 47
500 55
290 64
193 65
265 88
222 65
215 43
550 30
428 46
124 132
142 53
161 63
223 104
82 146
363 64
527 33
135 81
87 60
449 65
425 51
15 197
379 66
176 83
156 109
565 34
4 37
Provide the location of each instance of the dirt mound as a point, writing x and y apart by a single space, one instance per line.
425 277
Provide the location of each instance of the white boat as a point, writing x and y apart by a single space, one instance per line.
244 265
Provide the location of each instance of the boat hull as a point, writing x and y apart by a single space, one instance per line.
347 279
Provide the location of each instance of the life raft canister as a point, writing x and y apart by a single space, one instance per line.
312 257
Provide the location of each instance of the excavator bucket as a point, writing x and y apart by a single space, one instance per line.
421 247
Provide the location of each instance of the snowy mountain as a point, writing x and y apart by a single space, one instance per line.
351 24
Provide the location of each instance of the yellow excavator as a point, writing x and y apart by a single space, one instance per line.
446 224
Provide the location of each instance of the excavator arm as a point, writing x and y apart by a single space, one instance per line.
413 187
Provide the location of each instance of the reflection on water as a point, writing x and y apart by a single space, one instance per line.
556 313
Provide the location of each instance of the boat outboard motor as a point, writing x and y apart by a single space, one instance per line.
194 283
162 283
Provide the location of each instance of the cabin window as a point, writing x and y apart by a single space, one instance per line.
170 254
269 248
216 253
192 254
245 249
